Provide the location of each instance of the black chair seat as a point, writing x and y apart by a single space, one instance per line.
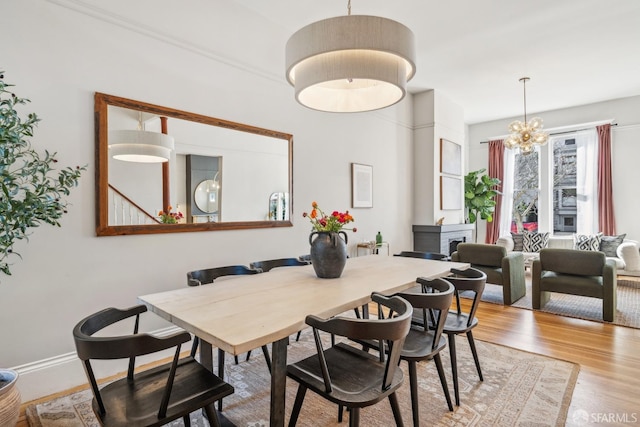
458 323
356 375
142 400
419 345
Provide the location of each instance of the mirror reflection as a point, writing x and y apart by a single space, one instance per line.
206 196
155 161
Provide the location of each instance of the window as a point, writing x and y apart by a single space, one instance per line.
554 188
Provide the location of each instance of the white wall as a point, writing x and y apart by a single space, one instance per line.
58 56
624 143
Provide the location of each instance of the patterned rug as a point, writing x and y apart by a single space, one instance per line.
519 388
628 301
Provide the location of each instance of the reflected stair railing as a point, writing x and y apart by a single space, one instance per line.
124 211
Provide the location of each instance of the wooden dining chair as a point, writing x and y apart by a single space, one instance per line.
152 397
460 321
424 340
267 265
208 276
350 376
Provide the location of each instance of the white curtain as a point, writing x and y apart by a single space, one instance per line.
587 181
507 192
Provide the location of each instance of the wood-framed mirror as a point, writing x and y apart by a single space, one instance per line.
134 196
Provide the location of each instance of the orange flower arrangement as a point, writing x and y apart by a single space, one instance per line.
170 217
329 223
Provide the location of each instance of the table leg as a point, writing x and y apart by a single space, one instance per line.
206 360
206 355
278 381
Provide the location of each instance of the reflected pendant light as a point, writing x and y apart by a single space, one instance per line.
526 135
140 146
350 63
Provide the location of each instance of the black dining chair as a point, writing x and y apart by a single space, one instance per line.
458 322
424 340
423 255
350 376
208 276
267 265
152 397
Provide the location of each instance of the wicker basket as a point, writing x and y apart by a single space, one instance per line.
9 398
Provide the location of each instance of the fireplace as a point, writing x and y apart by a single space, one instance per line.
442 239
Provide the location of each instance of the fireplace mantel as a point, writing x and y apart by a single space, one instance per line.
441 238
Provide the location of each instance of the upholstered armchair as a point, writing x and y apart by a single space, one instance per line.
501 268
575 272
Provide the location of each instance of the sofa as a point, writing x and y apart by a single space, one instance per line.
501 268
575 272
627 257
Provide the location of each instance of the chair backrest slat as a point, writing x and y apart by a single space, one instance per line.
267 265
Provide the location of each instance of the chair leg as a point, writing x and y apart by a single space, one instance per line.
220 373
395 408
354 417
454 366
248 356
340 413
295 412
413 383
298 335
472 344
235 359
443 380
187 420
267 358
212 416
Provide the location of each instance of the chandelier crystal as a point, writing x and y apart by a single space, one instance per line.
526 135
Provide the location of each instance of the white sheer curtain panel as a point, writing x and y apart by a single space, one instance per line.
506 211
587 181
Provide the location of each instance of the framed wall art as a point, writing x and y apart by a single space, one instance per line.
450 193
450 157
361 186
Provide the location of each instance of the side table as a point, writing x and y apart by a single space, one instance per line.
372 248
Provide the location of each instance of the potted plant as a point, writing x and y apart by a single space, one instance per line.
31 192
479 196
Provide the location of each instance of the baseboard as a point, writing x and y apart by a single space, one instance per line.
55 374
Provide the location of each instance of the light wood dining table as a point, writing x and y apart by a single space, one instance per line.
241 313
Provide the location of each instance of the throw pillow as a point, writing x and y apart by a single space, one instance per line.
587 242
533 242
609 244
517 242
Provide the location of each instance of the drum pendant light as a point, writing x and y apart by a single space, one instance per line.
350 63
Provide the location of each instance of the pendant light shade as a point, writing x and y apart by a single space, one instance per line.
350 63
140 146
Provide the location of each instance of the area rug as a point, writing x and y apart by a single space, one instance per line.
519 389
628 302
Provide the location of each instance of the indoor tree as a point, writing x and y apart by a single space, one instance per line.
479 196
31 189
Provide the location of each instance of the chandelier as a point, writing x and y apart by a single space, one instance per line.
350 63
525 135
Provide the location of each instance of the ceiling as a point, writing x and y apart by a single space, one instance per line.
575 51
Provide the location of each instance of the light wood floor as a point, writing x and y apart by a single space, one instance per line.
608 386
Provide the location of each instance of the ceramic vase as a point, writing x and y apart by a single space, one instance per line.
328 253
